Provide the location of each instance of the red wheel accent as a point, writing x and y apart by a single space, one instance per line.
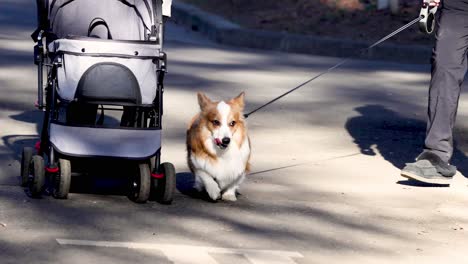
52 170
157 175
37 146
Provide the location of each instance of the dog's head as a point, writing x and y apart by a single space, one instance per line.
224 120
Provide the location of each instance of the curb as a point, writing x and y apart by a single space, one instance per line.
225 32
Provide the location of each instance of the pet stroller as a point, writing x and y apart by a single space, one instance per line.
98 56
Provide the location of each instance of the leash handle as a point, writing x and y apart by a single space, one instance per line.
428 11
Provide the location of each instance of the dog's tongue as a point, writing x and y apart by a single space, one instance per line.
218 141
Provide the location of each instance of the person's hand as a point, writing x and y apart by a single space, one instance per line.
433 3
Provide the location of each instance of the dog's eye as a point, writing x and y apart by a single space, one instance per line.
233 123
216 123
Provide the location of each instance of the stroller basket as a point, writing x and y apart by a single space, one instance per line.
83 141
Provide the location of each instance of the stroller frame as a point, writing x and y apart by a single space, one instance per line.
154 178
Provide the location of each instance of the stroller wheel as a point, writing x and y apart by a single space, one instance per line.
26 158
36 176
140 184
164 187
62 180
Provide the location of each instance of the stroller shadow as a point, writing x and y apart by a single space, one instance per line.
101 176
397 138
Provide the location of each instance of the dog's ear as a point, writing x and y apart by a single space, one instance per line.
203 100
239 100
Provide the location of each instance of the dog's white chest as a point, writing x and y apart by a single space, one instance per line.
230 164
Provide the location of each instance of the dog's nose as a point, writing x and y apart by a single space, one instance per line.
226 141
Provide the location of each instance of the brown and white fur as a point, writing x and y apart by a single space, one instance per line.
218 147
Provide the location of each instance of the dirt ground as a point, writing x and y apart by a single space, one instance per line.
348 19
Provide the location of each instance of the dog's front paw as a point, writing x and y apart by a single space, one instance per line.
229 197
214 193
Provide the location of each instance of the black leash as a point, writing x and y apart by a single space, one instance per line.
361 52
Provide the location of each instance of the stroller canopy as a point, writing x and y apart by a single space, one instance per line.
107 19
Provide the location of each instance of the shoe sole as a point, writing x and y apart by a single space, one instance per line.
418 178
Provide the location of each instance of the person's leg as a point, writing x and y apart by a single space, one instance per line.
449 65
448 71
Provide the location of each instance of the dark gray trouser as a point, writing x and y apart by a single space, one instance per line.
449 66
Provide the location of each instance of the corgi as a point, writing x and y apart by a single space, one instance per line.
218 147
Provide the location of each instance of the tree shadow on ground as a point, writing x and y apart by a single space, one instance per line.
399 139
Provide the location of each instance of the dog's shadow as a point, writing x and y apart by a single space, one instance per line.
184 184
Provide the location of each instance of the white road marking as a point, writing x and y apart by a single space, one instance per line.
195 254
